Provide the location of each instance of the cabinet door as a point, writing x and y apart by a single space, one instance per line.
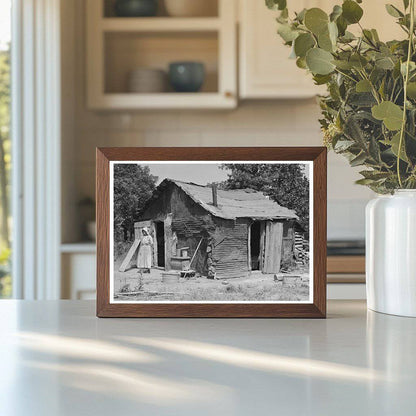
78 276
265 68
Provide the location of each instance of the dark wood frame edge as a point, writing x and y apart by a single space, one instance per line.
209 310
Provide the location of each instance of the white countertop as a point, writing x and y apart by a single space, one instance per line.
57 359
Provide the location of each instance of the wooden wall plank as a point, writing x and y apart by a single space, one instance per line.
168 241
273 247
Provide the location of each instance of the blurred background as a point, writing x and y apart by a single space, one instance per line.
100 73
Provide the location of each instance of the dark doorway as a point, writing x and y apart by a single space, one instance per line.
160 239
255 245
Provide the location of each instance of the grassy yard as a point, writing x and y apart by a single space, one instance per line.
257 287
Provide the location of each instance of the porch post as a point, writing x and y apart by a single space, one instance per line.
168 241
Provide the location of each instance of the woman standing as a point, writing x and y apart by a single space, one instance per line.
144 257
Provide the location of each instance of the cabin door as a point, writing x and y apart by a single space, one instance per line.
272 247
256 234
159 244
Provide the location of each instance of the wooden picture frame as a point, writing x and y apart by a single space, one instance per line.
315 308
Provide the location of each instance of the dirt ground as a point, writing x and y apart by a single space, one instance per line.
133 285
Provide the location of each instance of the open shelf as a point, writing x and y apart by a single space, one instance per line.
130 101
127 51
108 9
160 24
116 46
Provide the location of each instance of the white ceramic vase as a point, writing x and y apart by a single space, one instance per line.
391 253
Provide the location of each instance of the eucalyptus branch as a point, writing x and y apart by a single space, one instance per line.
398 95
346 75
365 87
392 90
406 80
404 29
369 41
373 89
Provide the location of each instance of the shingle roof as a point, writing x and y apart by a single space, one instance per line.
232 204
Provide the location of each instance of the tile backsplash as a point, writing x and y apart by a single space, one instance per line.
287 123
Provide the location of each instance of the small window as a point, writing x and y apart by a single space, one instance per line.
286 227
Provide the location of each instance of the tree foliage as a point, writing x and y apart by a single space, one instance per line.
5 88
284 183
5 165
5 145
369 113
133 186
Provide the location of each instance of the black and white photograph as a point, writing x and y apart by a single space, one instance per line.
211 232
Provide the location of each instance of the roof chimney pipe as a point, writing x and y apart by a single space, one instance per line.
214 195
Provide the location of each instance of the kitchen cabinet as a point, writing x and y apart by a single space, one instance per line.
265 70
116 46
78 264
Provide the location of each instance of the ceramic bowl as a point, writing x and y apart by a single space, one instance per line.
147 80
135 8
186 76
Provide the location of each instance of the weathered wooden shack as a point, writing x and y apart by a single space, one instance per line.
237 231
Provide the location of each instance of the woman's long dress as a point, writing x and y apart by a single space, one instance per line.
144 257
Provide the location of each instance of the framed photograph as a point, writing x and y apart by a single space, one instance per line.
211 232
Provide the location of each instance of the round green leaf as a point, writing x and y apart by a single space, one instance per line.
411 90
351 11
358 61
363 86
391 114
403 66
301 63
276 4
321 79
303 43
336 12
327 40
316 20
333 32
342 25
324 42
286 32
300 16
395 146
393 11
319 61
342 64
375 35
368 36
385 63
347 37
